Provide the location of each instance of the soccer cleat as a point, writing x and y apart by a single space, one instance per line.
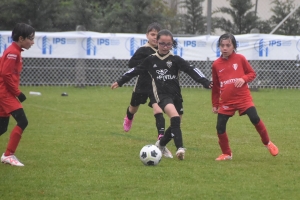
12 160
272 148
127 124
224 157
164 150
180 153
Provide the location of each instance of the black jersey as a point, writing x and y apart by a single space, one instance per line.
143 83
164 71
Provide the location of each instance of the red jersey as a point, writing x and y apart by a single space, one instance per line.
225 72
10 70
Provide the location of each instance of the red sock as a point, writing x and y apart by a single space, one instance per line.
261 129
224 143
15 137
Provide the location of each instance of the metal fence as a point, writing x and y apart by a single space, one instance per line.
96 72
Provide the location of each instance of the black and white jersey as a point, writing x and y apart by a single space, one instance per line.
143 82
164 71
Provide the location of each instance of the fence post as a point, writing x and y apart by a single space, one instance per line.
80 74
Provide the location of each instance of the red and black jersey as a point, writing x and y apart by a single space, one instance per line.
164 71
10 70
143 83
224 74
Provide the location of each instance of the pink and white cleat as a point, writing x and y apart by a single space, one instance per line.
127 124
12 160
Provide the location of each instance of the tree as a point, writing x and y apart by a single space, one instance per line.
281 9
132 16
243 17
126 16
38 13
193 19
78 12
172 20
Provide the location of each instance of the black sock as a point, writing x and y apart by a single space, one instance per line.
176 131
160 123
129 115
167 137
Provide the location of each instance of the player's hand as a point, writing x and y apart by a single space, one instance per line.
114 85
21 97
239 82
215 110
211 84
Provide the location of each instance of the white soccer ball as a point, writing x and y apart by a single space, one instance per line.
150 155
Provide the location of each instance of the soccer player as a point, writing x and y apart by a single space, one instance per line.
142 88
164 68
10 95
230 93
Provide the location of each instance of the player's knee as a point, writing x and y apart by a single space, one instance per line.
23 123
175 122
221 128
255 120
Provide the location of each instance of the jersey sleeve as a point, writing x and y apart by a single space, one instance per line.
9 63
193 72
215 92
137 58
127 76
249 72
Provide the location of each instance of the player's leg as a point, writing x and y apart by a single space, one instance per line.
222 120
15 137
159 120
168 134
158 115
3 124
160 125
136 100
171 111
130 111
179 107
261 129
4 120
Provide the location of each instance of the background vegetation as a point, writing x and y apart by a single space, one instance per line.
75 148
133 16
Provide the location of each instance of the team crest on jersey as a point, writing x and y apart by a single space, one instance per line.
169 63
235 66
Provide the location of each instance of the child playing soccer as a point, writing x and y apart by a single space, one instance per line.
10 95
230 93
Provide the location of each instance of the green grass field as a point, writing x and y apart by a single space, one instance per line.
75 148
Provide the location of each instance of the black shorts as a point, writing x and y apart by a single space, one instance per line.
164 100
138 98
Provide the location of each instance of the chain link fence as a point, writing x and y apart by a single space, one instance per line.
96 72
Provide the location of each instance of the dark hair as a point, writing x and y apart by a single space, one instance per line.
154 26
23 30
227 36
167 33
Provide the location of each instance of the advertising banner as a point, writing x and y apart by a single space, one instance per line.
93 45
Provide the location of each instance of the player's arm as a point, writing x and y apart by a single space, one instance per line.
249 72
215 92
137 58
9 63
194 73
127 76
